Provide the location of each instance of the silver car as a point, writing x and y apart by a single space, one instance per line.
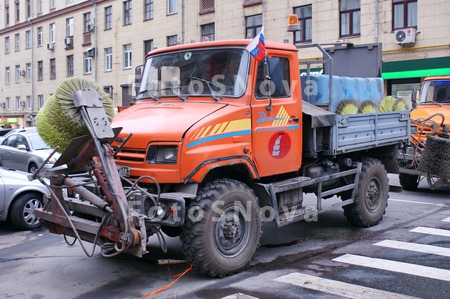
25 150
19 197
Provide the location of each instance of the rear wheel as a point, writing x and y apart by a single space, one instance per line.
32 168
409 182
371 196
22 211
222 229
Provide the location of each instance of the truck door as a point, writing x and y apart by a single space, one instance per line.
276 118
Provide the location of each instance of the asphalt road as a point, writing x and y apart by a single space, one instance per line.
406 255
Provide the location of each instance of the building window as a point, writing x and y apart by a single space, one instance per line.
28 9
208 32
6 15
171 40
29 103
108 59
206 6
87 65
18 103
52 4
127 13
171 7
17 10
40 101
7 45
52 33
87 22
28 66
304 14
148 10
404 13
127 56
28 39
148 46
8 103
40 70
18 73
40 37
7 76
253 25
251 2
17 42
52 69
108 17
39 6
350 17
69 27
69 65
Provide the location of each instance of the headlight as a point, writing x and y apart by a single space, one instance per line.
413 130
162 155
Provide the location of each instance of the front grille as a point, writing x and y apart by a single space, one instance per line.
132 155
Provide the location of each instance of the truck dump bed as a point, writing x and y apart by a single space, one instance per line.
329 134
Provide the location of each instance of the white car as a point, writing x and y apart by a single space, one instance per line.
19 197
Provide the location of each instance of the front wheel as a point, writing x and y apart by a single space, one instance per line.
371 197
223 228
22 211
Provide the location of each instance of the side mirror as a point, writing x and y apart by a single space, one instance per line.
137 78
414 90
22 147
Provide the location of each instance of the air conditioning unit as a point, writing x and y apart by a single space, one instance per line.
91 52
3 105
68 41
90 27
22 73
405 36
51 46
22 103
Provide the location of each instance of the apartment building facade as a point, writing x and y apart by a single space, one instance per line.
42 42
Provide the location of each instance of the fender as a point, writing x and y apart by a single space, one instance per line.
203 168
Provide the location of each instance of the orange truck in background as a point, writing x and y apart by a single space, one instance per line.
430 117
219 142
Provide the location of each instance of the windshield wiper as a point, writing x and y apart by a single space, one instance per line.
433 102
208 83
176 93
148 94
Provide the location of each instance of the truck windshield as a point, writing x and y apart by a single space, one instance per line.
436 92
210 72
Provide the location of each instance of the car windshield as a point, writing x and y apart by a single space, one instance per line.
216 73
37 143
436 92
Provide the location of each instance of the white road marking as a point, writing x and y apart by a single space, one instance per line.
431 231
400 267
418 202
334 287
437 250
446 219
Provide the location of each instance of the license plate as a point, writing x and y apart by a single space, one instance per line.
123 171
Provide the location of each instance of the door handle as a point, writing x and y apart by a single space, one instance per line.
294 119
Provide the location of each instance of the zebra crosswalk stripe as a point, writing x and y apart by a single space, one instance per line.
415 247
394 266
431 231
335 287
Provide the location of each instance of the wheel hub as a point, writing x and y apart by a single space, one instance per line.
230 229
372 195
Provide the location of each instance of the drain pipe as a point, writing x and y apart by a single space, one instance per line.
377 20
95 42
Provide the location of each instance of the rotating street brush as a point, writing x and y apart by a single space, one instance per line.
59 121
388 104
348 106
435 159
400 105
367 107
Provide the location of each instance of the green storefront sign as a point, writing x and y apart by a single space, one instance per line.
415 68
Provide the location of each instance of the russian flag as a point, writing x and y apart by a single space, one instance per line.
257 47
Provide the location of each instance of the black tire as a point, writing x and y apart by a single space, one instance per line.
371 197
22 211
408 181
218 238
32 168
